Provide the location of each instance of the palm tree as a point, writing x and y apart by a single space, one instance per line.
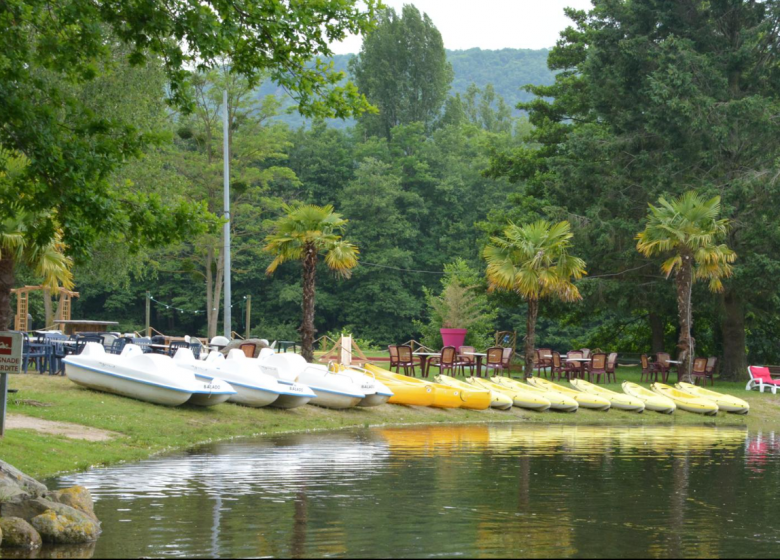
534 261
301 234
46 258
689 229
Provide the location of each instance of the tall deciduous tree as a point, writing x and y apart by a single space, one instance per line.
402 68
689 229
651 98
302 234
534 261
49 51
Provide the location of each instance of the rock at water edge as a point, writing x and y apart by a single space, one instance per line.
17 533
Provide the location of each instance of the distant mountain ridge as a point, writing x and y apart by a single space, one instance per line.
507 69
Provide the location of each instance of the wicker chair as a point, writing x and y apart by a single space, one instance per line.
648 369
574 369
586 353
699 370
597 367
712 365
495 360
466 358
541 369
506 359
557 367
394 363
448 361
612 366
662 365
406 360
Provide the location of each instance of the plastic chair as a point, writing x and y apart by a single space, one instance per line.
394 362
557 367
712 364
196 348
575 369
448 361
761 377
405 359
494 360
699 370
597 367
662 365
36 352
174 346
466 360
143 343
648 370
612 366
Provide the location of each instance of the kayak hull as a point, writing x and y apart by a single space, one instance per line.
619 401
653 402
472 397
519 399
557 401
727 403
404 393
585 400
686 402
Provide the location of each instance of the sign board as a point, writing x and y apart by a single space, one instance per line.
11 352
10 362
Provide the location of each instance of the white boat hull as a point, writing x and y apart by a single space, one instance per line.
129 376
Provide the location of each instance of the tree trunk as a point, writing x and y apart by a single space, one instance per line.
6 285
530 336
734 365
685 346
47 310
657 330
309 279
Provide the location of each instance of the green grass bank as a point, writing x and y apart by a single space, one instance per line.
145 429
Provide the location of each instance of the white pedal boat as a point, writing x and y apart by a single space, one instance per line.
253 388
333 389
153 378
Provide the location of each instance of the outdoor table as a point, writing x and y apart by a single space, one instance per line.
424 357
581 362
479 356
678 364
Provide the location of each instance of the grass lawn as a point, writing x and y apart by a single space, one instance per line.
148 429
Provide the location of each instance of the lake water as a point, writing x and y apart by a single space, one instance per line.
444 491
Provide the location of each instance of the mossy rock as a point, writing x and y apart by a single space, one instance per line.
77 497
57 528
17 533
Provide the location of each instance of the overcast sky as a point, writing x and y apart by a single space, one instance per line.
489 24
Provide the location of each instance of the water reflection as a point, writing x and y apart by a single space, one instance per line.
479 490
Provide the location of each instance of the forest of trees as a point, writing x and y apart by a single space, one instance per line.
636 103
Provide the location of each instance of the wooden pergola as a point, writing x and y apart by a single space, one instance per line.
22 298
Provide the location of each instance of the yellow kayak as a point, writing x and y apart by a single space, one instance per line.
474 398
558 401
728 403
654 402
585 400
618 400
686 401
405 393
443 396
518 398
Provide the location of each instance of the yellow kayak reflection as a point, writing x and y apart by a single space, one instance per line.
524 439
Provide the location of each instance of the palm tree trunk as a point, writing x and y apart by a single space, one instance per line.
685 347
6 285
309 279
530 336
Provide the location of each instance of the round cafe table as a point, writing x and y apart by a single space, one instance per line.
424 358
479 356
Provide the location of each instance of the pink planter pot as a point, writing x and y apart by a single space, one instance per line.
453 337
